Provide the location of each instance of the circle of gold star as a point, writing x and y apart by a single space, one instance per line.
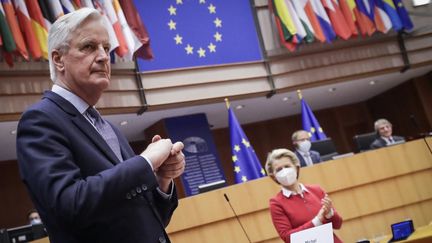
206 49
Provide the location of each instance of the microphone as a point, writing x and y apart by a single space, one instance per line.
238 219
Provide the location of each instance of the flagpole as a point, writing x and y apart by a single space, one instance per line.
299 94
227 103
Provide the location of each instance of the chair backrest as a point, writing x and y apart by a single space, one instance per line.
363 141
325 147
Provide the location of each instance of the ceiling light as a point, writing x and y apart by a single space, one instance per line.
286 98
13 132
240 107
332 89
123 123
373 82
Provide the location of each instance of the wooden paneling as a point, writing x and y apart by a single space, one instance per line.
15 202
371 191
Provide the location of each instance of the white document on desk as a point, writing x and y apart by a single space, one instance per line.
319 234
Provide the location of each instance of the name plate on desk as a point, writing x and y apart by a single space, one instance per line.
319 234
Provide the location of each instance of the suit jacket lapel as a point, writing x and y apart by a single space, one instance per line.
79 120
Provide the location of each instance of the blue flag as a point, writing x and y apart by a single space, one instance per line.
310 123
246 164
403 14
186 33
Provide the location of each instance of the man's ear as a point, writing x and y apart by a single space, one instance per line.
57 59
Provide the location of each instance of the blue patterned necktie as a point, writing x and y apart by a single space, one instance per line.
105 130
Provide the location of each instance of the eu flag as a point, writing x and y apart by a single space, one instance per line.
310 123
246 164
190 33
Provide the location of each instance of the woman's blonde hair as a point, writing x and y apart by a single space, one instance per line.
277 154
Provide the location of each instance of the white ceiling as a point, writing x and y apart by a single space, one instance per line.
255 109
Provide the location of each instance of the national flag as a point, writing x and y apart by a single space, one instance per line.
108 8
246 164
14 28
38 25
46 13
403 14
367 7
337 19
389 7
8 40
77 4
199 33
132 41
55 8
301 32
139 30
318 32
281 10
382 20
26 28
347 8
283 32
323 20
87 3
67 6
310 123
106 22
299 6
365 23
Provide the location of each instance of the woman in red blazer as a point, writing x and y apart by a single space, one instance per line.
297 207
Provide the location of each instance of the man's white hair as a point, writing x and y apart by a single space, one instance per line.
381 122
61 32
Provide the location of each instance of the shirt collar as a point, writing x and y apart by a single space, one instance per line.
287 193
74 99
303 153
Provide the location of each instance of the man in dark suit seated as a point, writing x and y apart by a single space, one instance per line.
302 144
83 177
384 130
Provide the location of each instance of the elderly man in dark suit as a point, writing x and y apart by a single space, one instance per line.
83 177
302 144
384 130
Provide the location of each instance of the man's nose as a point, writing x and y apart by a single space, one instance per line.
102 55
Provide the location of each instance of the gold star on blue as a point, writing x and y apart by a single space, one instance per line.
178 39
212 47
237 169
179 1
189 49
172 10
244 178
218 22
172 25
236 148
201 52
262 171
234 158
246 143
218 37
212 9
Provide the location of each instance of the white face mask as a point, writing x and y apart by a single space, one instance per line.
35 221
286 176
304 146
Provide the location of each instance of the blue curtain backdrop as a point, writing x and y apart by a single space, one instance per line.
189 33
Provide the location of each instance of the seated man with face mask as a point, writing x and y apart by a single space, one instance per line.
302 144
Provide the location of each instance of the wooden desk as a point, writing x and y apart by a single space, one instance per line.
370 190
420 235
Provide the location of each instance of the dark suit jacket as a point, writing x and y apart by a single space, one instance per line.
315 156
380 142
80 189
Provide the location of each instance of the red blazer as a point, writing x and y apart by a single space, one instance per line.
293 214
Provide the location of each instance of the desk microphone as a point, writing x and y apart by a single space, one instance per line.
227 199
